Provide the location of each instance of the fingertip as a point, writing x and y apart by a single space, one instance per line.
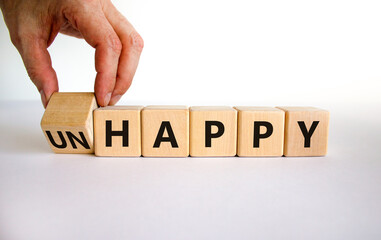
46 94
43 99
107 99
103 100
104 87
115 99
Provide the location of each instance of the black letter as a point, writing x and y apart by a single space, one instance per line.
257 132
307 134
171 137
110 133
63 141
72 137
208 131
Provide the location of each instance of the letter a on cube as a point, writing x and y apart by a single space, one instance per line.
165 131
117 131
306 131
68 122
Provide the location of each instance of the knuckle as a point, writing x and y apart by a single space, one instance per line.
115 44
87 2
19 36
137 41
22 39
33 73
26 39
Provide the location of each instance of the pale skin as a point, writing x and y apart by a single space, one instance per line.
34 24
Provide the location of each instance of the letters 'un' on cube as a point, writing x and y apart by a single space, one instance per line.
260 131
68 122
117 131
165 131
213 131
306 131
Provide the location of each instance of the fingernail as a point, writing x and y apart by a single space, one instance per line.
115 99
107 99
43 98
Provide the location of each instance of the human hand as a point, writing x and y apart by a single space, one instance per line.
34 24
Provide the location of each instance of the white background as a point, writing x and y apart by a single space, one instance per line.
230 52
321 53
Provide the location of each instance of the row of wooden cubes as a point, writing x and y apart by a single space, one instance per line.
73 123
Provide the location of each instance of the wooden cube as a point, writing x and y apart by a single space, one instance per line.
306 131
68 122
117 131
165 131
213 131
260 132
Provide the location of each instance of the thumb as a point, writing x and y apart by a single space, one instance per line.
38 64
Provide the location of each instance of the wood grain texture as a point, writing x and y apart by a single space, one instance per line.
294 144
117 115
270 146
152 121
225 145
68 122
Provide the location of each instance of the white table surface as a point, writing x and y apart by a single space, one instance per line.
49 196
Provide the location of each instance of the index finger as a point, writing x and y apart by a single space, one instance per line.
98 32
130 55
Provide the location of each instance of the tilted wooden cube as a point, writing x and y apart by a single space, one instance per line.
165 131
117 131
306 131
68 122
213 131
260 132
